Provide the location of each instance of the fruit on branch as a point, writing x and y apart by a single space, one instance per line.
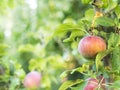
89 46
32 80
95 84
92 84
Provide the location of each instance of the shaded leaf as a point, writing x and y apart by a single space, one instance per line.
68 84
111 5
100 56
74 34
26 48
79 87
64 74
117 11
3 48
104 21
89 14
115 60
82 69
86 1
116 85
114 40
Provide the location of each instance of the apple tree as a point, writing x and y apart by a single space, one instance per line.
94 40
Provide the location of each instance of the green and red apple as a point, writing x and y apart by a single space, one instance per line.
89 46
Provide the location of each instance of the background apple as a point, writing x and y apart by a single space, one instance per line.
89 46
32 80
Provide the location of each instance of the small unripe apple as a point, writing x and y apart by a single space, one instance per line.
89 46
32 80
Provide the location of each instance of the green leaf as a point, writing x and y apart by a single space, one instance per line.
115 60
114 40
117 11
116 85
89 14
105 21
64 74
105 3
64 28
111 5
82 69
100 56
86 1
68 25
3 48
79 87
69 84
26 48
74 34
20 73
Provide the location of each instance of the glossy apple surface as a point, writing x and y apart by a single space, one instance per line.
89 46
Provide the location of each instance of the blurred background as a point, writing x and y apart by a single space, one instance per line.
28 42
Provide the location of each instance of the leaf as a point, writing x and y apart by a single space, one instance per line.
79 87
115 60
82 69
69 21
116 85
114 40
105 3
69 84
26 48
86 1
117 11
3 48
64 74
100 56
74 34
111 5
105 21
89 14
68 25
64 28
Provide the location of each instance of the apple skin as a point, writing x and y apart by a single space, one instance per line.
32 80
89 46
92 84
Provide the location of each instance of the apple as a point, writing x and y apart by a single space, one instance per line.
89 46
32 80
95 84
92 84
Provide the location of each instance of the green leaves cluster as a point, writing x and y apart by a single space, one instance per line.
106 26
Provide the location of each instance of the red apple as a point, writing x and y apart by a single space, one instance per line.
32 80
102 82
95 84
89 46
92 84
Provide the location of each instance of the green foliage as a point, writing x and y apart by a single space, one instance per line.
105 63
100 56
86 1
69 84
105 21
45 37
115 59
117 11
